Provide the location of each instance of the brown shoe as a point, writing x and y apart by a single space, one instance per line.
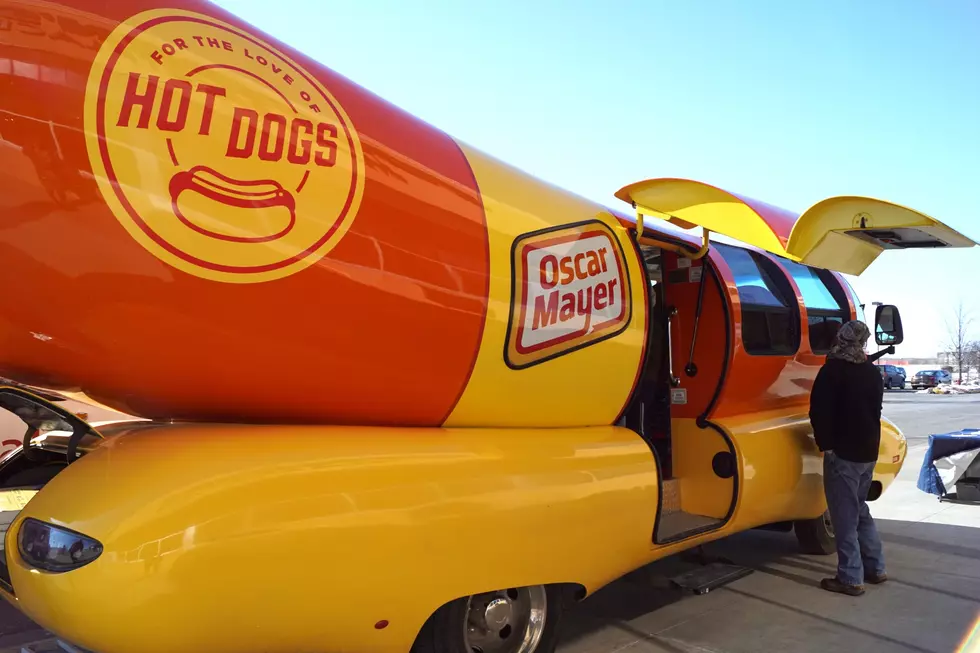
834 585
876 579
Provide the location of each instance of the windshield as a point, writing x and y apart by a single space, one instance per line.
46 425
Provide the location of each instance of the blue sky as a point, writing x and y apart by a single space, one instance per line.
789 102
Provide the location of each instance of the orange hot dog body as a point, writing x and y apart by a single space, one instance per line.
386 299
384 329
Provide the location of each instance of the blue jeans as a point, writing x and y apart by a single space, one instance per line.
859 551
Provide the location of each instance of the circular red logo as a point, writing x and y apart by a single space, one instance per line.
217 152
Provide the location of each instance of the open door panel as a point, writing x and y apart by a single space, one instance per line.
848 233
688 204
845 234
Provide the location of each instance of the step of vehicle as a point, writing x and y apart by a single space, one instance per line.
702 580
671 500
677 523
673 520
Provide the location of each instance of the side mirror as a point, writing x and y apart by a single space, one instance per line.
888 325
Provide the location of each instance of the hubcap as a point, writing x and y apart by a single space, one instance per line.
506 621
498 613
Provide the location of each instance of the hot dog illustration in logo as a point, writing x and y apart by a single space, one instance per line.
206 185
216 152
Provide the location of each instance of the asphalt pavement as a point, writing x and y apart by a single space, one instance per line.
919 415
929 605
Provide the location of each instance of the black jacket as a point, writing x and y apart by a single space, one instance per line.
845 409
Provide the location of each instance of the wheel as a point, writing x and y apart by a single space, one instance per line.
816 536
516 620
902 387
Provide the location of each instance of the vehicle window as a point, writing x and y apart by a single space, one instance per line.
826 304
753 285
857 301
770 317
812 287
823 329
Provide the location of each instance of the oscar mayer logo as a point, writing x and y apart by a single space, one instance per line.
216 152
571 290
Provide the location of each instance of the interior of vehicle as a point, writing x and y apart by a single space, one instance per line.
684 363
690 341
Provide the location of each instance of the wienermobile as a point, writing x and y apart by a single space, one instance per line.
387 393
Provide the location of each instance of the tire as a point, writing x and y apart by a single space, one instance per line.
446 630
816 536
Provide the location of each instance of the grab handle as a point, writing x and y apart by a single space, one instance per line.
674 380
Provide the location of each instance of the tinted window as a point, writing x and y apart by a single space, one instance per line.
754 285
823 330
857 300
769 332
815 292
826 304
770 317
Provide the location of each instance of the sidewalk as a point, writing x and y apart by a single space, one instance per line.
929 605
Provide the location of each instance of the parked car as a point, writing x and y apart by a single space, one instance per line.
930 378
893 377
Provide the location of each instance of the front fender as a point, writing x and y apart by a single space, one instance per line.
891 456
240 539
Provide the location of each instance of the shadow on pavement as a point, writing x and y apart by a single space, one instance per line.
929 604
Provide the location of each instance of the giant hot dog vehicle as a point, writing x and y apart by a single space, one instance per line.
381 391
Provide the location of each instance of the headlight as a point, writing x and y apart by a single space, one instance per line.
55 549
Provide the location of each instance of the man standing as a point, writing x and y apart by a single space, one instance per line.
845 411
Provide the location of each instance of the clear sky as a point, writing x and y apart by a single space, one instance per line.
788 102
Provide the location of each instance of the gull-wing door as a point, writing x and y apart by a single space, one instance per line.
845 233
848 233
